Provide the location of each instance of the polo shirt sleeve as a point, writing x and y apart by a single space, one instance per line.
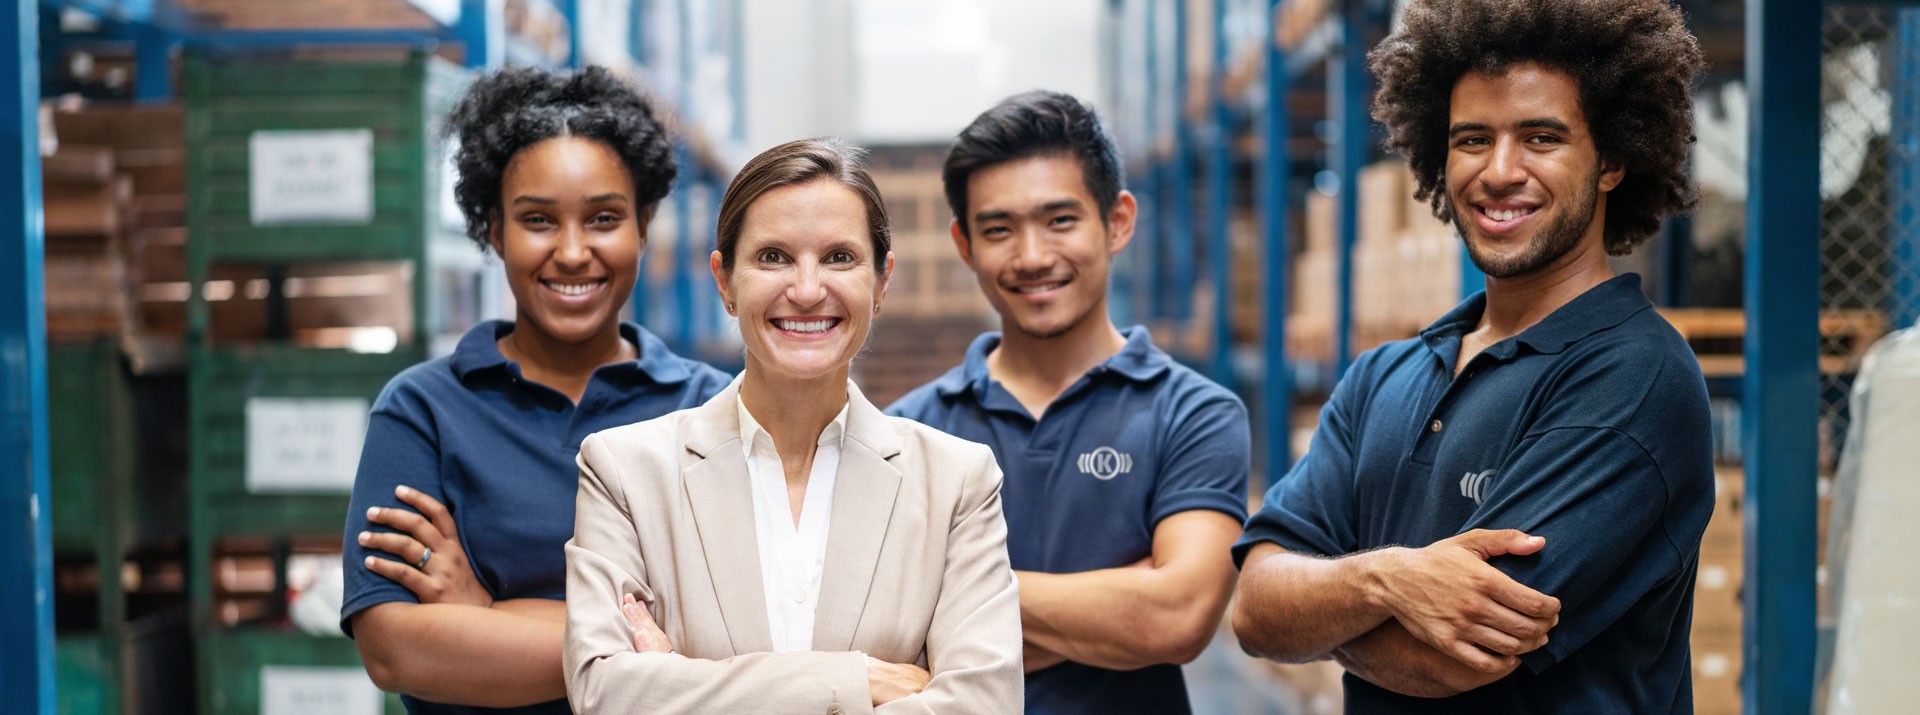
1584 479
401 449
1206 460
1310 509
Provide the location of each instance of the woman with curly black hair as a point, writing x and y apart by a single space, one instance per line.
455 571
1514 500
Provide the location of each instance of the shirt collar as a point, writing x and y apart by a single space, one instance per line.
751 431
479 350
1601 307
1139 360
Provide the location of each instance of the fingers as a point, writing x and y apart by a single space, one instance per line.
1488 543
647 636
1501 642
406 521
429 507
1478 659
1528 602
403 546
406 575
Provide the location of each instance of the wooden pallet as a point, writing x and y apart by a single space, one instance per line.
1717 334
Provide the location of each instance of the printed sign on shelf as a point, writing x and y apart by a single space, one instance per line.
322 176
297 444
305 690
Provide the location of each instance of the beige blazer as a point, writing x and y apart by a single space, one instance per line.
916 572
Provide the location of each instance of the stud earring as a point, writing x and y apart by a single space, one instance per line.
876 307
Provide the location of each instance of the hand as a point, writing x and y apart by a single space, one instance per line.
647 636
1449 597
447 577
891 681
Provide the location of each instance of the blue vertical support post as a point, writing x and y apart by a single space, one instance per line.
26 564
1277 386
1782 383
570 9
152 64
642 286
1348 81
1220 191
1147 226
1179 213
482 30
683 254
1904 184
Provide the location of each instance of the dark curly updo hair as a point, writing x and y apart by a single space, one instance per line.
1633 59
514 108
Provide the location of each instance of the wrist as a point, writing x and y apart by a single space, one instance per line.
1372 574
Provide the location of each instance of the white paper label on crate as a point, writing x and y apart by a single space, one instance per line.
306 690
311 176
304 444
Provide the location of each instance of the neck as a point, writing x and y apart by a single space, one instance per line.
793 411
1517 303
1057 360
538 352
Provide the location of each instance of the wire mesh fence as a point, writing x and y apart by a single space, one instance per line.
1869 278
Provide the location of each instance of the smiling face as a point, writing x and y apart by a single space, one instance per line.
1038 245
1527 184
805 282
570 237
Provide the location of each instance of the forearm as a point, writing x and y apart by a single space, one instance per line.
1035 658
462 655
545 609
1295 608
1391 657
1121 619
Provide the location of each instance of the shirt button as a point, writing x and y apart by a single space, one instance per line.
1435 426
798 596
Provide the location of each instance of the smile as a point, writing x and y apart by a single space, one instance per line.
1036 288
575 289
810 325
1507 214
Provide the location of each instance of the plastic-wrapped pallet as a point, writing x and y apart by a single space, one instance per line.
1875 594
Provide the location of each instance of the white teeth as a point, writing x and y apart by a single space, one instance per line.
809 326
572 289
1506 214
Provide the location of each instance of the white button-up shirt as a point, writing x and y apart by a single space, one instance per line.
792 555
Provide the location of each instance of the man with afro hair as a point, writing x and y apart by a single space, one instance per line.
1504 513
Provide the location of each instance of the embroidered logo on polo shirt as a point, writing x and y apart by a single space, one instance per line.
1474 486
1105 463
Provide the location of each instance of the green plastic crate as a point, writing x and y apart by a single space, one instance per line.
90 436
83 684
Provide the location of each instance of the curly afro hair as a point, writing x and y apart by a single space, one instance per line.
514 108
1633 59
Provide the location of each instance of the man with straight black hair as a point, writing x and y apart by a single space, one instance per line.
1126 472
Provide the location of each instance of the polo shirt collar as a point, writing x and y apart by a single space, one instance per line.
1600 308
1139 360
479 350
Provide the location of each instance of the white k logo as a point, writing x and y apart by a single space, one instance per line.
1105 463
1474 486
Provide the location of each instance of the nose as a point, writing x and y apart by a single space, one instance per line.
572 251
1030 254
809 286
1506 166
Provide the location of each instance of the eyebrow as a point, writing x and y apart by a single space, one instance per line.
1046 208
1536 123
544 200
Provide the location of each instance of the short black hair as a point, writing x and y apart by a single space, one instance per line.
1036 123
514 108
1633 59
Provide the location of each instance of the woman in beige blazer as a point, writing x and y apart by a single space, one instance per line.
786 548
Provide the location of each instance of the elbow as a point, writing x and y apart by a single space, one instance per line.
1177 638
382 670
1261 639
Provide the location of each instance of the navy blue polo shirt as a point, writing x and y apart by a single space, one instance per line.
1590 429
499 451
1137 439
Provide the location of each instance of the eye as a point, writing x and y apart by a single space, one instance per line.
1470 141
1063 222
768 255
840 256
994 232
536 220
605 219
1543 139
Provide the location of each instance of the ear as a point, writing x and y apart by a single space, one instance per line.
1120 223
960 242
886 279
720 281
495 237
646 221
1611 174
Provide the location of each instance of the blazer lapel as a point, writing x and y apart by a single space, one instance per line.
863 499
720 494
